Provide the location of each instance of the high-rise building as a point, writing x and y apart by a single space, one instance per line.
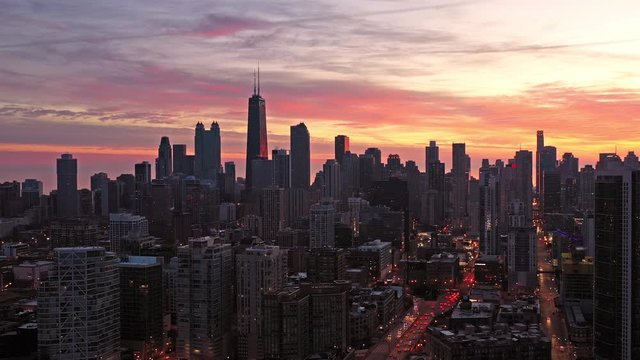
230 181
122 225
281 168
272 210
521 249
67 199
286 324
322 225
431 154
616 327
205 299
332 180
142 174
341 147
180 159
539 146
256 132
325 265
523 189
459 185
163 161
79 306
586 184
300 156
548 161
260 269
31 192
141 310
489 210
207 151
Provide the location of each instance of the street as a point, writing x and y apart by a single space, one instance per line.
550 317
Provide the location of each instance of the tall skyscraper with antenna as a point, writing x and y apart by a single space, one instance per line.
256 130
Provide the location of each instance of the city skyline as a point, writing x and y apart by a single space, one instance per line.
123 90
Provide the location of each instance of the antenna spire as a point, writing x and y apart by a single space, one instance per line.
254 82
258 77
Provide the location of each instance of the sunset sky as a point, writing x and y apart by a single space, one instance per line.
105 80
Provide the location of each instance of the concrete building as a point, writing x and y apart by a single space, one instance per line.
123 224
204 299
260 269
322 225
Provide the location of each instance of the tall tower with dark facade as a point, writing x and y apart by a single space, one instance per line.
459 184
300 156
616 273
208 148
163 161
256 131
539 147
342 147
67 171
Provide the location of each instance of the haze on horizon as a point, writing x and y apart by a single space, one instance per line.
105 81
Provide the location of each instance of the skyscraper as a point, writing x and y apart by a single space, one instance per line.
539 147
523 189
141 308
207 147
123 224
281 168
205 300
322 225
79 306
163 161
272 210
616 327
521 248
260 269
332 180
459 185
300 156
256 132
431 154
342 146
67 171
180 159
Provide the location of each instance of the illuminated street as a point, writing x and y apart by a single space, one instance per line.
550 317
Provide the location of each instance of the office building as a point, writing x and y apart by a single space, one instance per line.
141 308
260 269
616 328
79 306
207 151
180 159
204 302
300 156
281 168
332 180
272 210
459 185
164 164
521 249
341 147
325 265
67 195
322 225
121 225
31 192
256 132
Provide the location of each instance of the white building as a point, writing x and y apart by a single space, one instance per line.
79 306
204 299
121 224
259 269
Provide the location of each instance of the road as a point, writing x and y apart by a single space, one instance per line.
551 318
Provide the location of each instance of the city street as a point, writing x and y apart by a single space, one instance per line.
550 317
